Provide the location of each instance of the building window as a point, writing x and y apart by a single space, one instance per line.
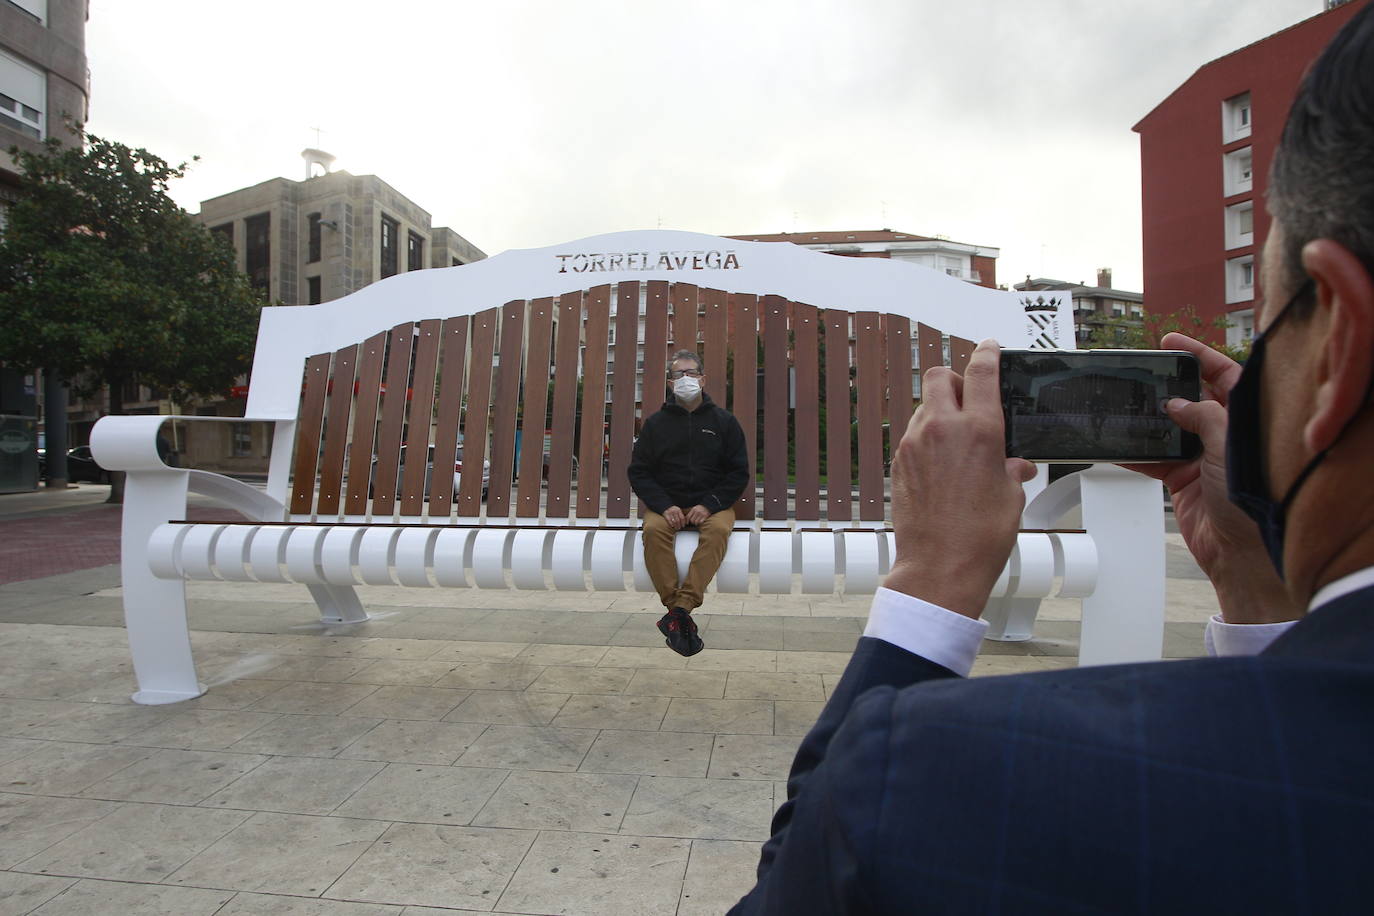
415 251
224 231
258 250
1235 117
1240 224
1240 279
312 285
38 9
1242 327
314 244
242 440
23 94
390 252
1238 172
1118 309
1137 311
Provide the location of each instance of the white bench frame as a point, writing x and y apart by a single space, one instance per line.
1116 566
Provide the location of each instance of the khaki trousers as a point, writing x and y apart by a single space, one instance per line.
661 561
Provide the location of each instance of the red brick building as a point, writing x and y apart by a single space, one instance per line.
1204 164
975 263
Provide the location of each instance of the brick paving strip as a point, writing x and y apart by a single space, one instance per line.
63 542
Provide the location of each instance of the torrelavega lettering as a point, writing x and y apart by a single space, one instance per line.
612 261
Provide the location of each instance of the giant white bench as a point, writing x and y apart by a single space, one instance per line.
569 346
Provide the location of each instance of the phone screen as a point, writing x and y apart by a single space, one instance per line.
1097 405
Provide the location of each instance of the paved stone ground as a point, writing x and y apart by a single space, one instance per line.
461 751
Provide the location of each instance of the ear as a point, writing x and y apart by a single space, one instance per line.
1345 306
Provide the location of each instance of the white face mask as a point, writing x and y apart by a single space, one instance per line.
687 388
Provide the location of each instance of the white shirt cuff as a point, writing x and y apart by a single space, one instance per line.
928 630
1225 639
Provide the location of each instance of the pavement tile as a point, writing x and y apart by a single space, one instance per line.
430 865
561 655
316 669
65 769
414 741
409 702
718 659
99 723
313 699
175 777
490 675
753 717
245 904
719 873
281 853
592 874
296 785
795 717
459 650
645 713
649 753
571 679
234 694
814 662
516 747
100 898
719 809
201 729
30 824
305 736
136 842
20 894
508 707
657 682
658 657
753 756
558 801
449 795
14 748
19 717
767 685
402 672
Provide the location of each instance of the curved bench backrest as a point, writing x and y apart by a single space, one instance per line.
551 391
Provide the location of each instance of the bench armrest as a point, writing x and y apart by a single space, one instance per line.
129 443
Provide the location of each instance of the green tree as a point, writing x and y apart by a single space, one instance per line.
104 279
1147 331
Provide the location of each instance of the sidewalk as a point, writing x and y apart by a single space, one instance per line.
505 752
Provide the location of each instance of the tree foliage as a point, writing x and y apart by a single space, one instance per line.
1147 332
104 279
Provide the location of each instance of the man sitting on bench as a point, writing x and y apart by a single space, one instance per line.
689 467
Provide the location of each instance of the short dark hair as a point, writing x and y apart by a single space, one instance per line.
687 354
1321 184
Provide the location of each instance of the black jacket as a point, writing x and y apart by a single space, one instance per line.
686 459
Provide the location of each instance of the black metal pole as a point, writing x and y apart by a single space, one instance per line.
55 428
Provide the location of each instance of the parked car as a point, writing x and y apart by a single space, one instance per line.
429 472
81 466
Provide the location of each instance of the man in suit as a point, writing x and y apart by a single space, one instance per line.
1238 783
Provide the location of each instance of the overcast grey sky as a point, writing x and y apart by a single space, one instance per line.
522 123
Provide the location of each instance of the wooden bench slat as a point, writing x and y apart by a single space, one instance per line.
308 433
839 502
624 377
339 405
397 379
807 414
565 370
714 343
536 408
744 405
686 301
775 383
365 404
477 415
960 351
869 359
419 419
899 394
655 351
930 347
507 403
452 364
592 447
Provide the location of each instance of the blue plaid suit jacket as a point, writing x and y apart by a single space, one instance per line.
1238 785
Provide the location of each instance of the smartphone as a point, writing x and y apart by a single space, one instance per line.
1097 405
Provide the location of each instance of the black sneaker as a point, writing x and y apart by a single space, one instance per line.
680 632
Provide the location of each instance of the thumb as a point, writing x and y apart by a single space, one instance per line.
1206 418
1020 470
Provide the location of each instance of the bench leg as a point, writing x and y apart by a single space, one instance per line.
1011 619
155 609
1123 619
338 603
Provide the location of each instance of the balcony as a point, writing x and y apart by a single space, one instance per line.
971 276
